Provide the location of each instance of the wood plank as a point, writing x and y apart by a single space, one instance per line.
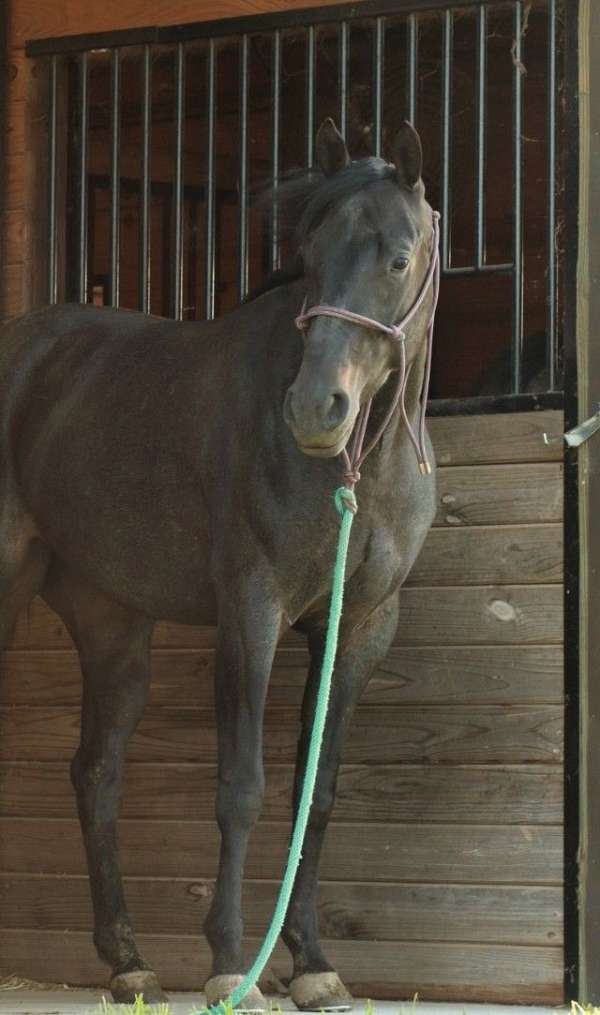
388 793
14 236
460 854
470 913
436 971
488 615
495 439
499 494
16 127
14 183
494 674
12 290
445 616
39 19
503 554
380 734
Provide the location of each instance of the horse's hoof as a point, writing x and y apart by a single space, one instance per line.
320 992
125 986
220 988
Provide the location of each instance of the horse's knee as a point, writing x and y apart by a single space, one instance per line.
322 803
240 800
96 782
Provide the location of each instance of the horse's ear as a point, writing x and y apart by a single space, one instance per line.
407 155
332 154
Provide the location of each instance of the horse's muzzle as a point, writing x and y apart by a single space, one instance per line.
320 427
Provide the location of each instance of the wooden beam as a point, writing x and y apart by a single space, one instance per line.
488 794
588 311
440 854
380 734
436 971
504 914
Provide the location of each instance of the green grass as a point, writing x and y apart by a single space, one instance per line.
139 1007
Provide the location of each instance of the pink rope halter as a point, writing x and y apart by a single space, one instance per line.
357 455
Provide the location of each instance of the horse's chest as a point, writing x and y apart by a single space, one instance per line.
378 560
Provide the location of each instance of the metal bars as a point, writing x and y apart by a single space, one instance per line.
480 153
413 50
115 182
551 202
144 239
275 126
82 182
211 113
448 38
52 173
412 59
517 133
378 67
177 284
344 45
243 173
311 71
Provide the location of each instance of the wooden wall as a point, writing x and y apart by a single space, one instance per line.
21 286
443 866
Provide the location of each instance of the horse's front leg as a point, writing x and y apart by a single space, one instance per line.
249 626
315 984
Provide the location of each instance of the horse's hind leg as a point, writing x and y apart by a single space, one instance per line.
114 649
315 984
23 564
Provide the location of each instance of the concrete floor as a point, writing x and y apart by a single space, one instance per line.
87 1002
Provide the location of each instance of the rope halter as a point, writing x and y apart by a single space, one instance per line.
357 455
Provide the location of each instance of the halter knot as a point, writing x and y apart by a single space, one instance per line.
345 500
351 478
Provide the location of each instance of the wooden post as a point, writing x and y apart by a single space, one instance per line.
588 311
3 129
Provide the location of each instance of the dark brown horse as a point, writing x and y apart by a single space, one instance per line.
151 469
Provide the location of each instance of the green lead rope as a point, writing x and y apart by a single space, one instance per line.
345 502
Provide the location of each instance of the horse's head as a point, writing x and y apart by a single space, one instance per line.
366 244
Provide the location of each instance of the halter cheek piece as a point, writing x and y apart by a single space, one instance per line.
354 460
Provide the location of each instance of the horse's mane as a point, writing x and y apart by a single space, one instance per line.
301 201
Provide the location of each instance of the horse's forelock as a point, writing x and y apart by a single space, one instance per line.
304 197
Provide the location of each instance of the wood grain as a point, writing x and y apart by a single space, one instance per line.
474 616
12 290
432 616
474 794
434 970
448 853
470 674
42 19
503 554
14 237
499 494
496 439
380 734
469 913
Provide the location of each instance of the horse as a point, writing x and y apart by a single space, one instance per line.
153 469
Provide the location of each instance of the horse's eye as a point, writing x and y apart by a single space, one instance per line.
400 264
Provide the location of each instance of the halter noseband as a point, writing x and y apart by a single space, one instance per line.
357 455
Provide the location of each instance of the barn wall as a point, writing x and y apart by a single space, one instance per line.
23 284
443 867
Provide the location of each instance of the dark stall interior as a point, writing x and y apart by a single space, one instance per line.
474 325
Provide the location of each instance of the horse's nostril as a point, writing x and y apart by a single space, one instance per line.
337 411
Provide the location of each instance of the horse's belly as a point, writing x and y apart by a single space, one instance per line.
148 554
